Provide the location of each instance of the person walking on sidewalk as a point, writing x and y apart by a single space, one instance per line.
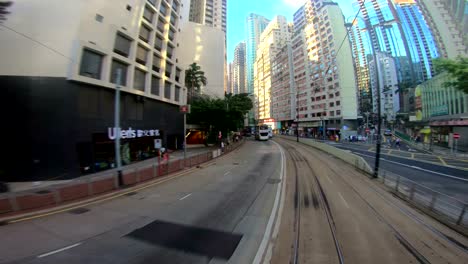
397 143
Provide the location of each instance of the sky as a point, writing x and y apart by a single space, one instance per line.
237 11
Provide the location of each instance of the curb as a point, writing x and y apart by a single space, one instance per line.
19 216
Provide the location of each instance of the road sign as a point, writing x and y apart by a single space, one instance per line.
157 143
185 109
456 135
367 130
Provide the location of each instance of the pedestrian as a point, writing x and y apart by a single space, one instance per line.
397 143
337 138
222 146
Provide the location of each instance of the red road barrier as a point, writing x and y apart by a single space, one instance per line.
5 206
146 174
73 192
32 201
129 178
103 186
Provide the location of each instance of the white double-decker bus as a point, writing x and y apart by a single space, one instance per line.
263 132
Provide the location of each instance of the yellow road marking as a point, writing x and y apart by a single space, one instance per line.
390 151
412 155
442 160
370 149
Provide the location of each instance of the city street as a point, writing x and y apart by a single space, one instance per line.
444 174
216 213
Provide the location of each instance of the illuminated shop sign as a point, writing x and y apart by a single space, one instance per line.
131 133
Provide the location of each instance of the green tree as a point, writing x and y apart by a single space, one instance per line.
3 10
458 71
194 78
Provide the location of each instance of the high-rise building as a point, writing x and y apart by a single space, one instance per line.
65 89
239 70
209 12
386 34
326 91
275 36
282 87
229 78
387 85
448 20
421 43
255 24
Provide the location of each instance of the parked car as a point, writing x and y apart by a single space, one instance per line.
387 132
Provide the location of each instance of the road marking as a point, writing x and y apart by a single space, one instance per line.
414 167
185 197
227 173
329 179
412 155
274 212
370 149
442 160
390 151
58 250
344 201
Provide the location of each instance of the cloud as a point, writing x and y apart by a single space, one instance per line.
294 3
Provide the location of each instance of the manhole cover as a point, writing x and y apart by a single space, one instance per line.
235 163
80 210
130 193
43 192
273 181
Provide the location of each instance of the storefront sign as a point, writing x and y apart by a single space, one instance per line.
439 110
157 143
131 133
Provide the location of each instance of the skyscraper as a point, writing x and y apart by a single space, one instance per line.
238 70
209 12
275 36
448 20
421 44
255 24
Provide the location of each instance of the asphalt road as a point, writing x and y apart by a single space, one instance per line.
336 214
451 181
216 214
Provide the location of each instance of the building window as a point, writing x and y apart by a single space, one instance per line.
158 43
144 33
177 94
167 90
332 104
153 2
168 69
142 55
99 18
338 103
117 65
177 75
332 113
163 9
173 19
337 94
175 6
139 80
170 50
338 112
160 25
122 45
148 14
171 35
91 64
156 63
155 85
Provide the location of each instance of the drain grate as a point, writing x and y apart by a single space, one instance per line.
78 211
235 163
273 181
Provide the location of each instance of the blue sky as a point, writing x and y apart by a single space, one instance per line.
237 11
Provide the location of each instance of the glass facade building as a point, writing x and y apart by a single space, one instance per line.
255 24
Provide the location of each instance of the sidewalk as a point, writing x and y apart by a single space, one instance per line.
192 150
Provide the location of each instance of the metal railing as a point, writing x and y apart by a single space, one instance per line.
450 209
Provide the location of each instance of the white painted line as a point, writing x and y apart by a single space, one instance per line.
185 196
58 250
227 173
274 212
344 201
329 179
416 168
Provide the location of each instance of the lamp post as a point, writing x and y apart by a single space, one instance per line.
118 159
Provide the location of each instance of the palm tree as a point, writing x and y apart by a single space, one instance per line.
194 78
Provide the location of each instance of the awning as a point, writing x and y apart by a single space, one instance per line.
425 130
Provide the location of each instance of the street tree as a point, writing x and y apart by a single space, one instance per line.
194 79
457 70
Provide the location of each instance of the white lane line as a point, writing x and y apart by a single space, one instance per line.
275 214
416 168
185 196
58 250
329 179
344 201
227 173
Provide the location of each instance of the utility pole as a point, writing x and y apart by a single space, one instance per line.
379 118
118 159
